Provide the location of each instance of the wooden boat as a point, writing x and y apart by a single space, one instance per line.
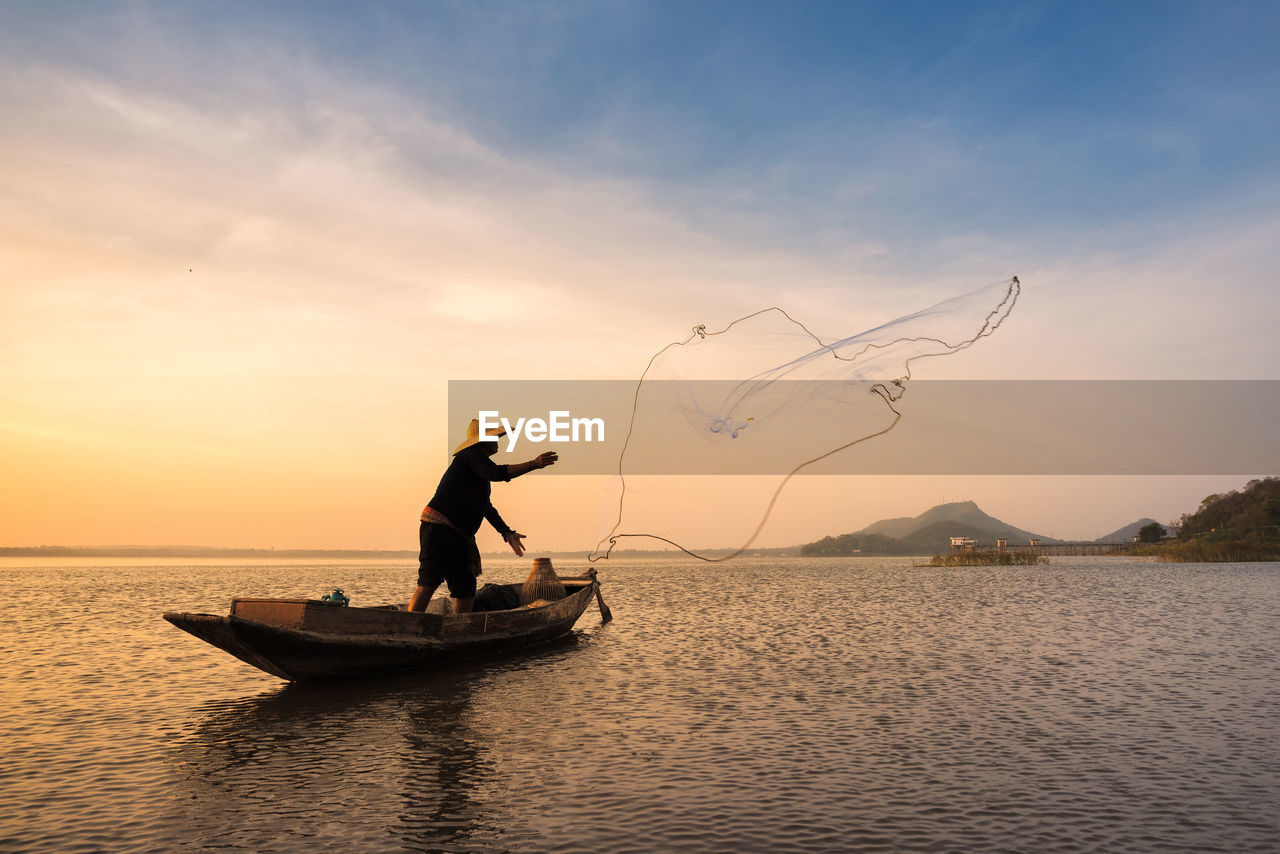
304 639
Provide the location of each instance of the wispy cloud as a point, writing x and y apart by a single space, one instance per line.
271 219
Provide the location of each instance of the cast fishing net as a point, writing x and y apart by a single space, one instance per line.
767 394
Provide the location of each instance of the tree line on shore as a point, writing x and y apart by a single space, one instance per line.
1240 525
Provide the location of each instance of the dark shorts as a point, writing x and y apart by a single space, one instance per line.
445 556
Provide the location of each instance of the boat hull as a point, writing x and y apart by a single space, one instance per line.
302 640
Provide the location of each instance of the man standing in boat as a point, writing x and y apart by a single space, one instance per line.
447 533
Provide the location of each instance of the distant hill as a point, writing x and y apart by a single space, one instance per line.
956 513
1128 532
1253 512
848 544
895 528
928 533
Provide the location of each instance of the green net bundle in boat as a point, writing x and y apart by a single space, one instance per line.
542 583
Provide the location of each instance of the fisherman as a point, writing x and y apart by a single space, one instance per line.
447 533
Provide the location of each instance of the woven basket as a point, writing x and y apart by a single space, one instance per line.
542 583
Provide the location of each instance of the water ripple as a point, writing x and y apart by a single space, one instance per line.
862 705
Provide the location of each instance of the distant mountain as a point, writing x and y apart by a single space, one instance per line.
957 513
895 528
1128 532
928 533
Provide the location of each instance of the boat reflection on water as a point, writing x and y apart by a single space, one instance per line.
363 765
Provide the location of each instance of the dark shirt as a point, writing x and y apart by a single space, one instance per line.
463 493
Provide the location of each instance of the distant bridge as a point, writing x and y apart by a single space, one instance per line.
1046 549
1080 548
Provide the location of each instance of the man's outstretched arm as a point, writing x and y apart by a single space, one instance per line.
539 462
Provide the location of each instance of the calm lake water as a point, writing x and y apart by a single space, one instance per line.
1095 704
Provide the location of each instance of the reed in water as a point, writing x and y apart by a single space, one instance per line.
998 558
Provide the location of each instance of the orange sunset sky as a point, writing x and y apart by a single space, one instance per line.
242 256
